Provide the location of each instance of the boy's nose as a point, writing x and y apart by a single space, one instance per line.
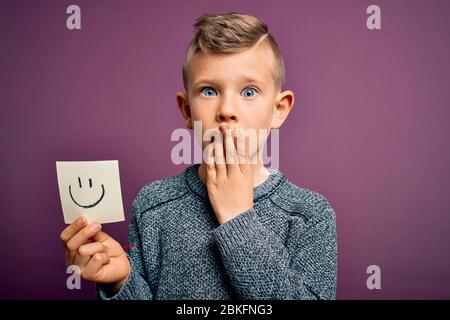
227 112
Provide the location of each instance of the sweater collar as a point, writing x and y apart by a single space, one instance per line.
263 190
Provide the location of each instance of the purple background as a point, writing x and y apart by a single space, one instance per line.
369 129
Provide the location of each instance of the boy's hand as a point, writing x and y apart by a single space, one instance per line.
230 185
100 258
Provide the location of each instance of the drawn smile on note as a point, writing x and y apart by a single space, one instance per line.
90 186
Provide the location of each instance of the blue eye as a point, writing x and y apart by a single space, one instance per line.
249 90
208 91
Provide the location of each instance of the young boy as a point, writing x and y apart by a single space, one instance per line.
220 229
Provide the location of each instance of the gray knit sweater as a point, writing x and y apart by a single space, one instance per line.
283 248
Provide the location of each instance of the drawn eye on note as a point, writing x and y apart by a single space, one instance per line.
86 206
91 189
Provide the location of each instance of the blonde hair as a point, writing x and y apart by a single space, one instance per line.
232 32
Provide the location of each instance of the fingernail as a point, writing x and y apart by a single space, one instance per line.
223 128
95 226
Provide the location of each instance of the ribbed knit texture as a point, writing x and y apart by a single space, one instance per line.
282 248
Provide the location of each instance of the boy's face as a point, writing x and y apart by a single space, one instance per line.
235 89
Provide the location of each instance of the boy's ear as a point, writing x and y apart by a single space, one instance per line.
185 109
285 102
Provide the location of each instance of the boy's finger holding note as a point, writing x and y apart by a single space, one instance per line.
100 258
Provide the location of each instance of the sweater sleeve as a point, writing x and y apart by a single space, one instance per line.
136 287
261 266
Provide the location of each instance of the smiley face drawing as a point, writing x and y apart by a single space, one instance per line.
86 206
